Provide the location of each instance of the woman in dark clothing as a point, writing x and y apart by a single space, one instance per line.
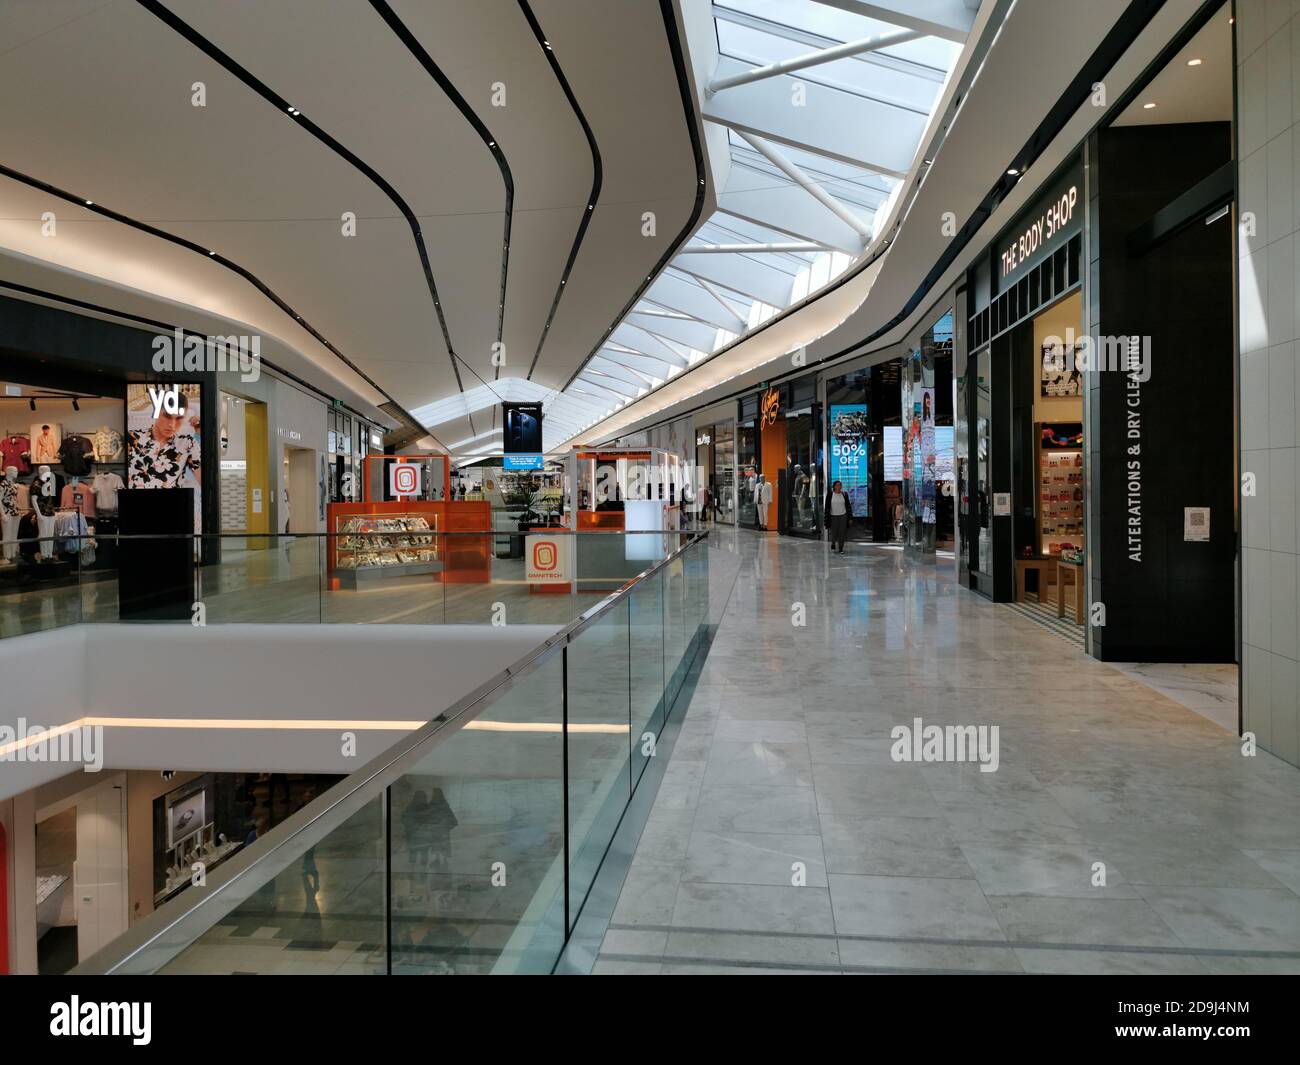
838 511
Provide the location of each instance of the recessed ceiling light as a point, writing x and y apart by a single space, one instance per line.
1013 172
1194 62
1147 107
90 203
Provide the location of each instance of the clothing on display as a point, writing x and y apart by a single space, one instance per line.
106 486
45 494
9 515
78 497
76 453
15 451
45 445
108 444
71 532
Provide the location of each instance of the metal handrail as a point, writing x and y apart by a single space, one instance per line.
169 928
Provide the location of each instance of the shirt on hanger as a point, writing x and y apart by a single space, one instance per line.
14 451
108 444
106 486
76 454
80 497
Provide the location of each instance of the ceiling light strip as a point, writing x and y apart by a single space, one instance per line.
214 53
692 126
198 249
597 175
493 145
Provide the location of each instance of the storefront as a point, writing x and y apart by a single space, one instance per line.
864 435
1097 456
715 461
779 458
1021 463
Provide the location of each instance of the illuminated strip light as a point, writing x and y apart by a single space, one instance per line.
303 725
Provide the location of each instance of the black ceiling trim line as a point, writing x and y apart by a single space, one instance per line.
597 175
167 327
425 60
1117 41
212 256
214 53
697 148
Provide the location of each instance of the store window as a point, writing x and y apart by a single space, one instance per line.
724 473
746 473
803 472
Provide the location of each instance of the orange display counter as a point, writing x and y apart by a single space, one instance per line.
416 545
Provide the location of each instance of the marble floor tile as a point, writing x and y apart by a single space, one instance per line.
922 907
1229 918
743 907
758 808
754 858
734 763
1118 922
785 755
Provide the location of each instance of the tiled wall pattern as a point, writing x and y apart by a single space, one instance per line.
1268 149
234 500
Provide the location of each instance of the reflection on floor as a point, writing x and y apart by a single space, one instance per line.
1120 833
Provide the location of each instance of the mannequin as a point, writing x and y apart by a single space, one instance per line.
763 499
9 513
45 501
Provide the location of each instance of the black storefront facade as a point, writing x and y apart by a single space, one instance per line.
1096 397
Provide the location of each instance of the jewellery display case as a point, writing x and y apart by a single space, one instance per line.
388 545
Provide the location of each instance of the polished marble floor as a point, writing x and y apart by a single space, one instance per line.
1122 832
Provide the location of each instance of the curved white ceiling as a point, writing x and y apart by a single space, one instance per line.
111 119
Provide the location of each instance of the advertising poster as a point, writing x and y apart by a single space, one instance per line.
851 454
893 452
163 439
926 457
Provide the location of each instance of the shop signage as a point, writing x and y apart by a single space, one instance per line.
547 559
287 434
234 464
403 479
377 441
1055 217
703 439
769 407
522 462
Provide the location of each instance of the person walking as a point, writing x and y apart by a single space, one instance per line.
838 511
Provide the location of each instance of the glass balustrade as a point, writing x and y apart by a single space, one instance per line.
471 845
